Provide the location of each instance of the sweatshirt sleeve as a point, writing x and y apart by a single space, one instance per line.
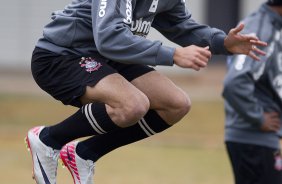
114 40
239 87
177 25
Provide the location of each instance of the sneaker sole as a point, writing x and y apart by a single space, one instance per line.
29 150
64 164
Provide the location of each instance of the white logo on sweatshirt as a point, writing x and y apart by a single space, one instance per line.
279 61
141 27
277 83
154 6
239 62
102 8
128 12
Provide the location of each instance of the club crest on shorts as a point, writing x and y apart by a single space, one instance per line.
89 64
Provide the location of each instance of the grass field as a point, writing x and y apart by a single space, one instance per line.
191 152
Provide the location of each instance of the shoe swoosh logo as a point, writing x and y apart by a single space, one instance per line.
43 171
68 154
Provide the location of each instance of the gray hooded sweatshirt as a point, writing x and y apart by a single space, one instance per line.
251 87
117 29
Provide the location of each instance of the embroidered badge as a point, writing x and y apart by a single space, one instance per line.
89 64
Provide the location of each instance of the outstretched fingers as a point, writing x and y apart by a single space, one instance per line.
237 29
254 50
252 55
258 51
244 44
258 42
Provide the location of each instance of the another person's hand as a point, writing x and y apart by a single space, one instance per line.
192 57
271 122
237 43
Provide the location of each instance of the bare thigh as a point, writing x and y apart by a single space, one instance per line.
125 103
171 102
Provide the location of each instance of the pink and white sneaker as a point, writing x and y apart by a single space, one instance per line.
44 158
82 171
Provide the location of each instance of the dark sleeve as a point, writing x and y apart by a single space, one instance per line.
239 87
178 26
111 29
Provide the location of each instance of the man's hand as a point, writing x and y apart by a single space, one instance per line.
192 57
271 122
237 43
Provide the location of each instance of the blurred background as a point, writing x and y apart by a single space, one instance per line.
191 152
22 23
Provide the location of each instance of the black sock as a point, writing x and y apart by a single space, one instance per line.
97 146
91 119
45 138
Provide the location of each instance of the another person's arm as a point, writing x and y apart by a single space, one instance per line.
239 92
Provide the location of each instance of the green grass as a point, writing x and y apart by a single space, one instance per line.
191 152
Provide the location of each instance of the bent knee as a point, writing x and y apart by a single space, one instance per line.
184 104
132 110
178 108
